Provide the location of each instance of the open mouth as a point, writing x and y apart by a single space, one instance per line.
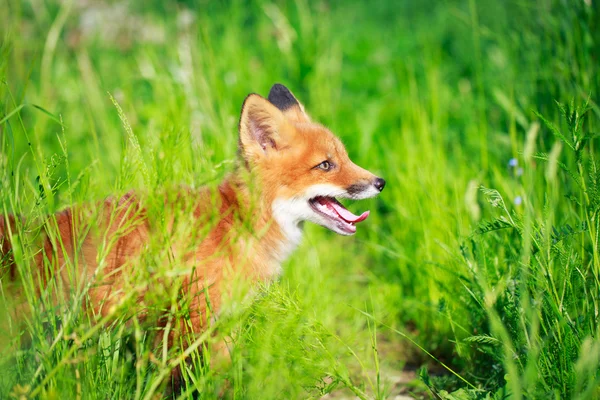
342 220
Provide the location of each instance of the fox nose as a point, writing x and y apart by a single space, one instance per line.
379 184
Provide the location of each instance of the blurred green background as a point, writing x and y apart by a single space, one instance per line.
441 293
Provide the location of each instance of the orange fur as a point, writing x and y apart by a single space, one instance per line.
279 151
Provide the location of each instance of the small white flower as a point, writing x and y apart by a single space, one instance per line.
519 171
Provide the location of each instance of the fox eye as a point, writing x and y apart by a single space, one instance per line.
325 165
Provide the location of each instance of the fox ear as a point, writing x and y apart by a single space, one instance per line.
282 98
259 127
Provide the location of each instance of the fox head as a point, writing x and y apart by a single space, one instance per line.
301 166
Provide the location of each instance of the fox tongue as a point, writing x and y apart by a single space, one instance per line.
347 215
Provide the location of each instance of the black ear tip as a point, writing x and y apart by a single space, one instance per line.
281 97
278 89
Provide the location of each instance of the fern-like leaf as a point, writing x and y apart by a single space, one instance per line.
555 130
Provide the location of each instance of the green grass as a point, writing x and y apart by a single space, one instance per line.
494 292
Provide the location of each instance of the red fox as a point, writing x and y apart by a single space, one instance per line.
290 170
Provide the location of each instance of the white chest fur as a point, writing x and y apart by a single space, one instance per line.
285 213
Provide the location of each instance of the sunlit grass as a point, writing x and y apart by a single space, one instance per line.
498 295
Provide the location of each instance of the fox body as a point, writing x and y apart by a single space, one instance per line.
290 170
